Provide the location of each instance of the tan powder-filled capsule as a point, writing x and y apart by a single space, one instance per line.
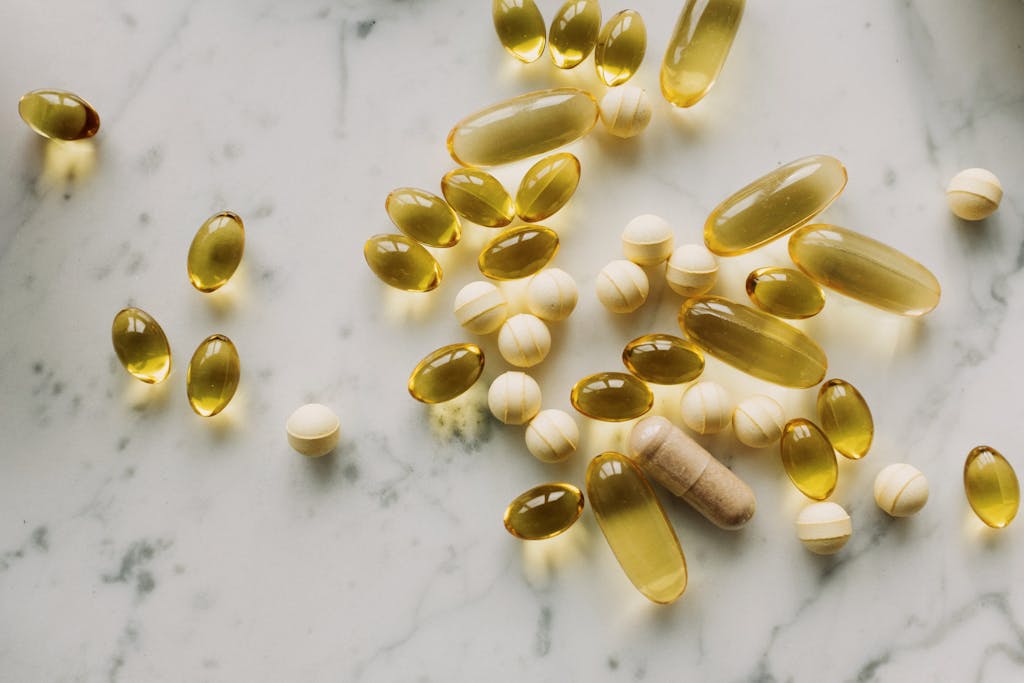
620 48
520 28
611 396
547 186
518 252
423 216
213 375
573 32
402 263
697 49
59 115
216 251
543 511
446 373
478 197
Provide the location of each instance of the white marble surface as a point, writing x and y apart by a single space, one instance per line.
139 542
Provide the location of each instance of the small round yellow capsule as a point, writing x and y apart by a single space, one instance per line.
809 459
991 486
518 252
520 28
216 251
478 197
663 359
402 263
573 32
423 216
785 292
620 47
59 115
547 186
611 396
446 373
141 345
845 418
213 375
543 511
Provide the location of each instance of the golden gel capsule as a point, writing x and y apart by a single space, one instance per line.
141 345
478 196
402 263
423 216
59 115
620 48
991 486
663 359
611 396
547 186
213 375
808 458
518 252
446 373
634 524
785 292
216 251
698 48
573 32
753 341
774 204
520 28
522 127
864 269
543 511
845 418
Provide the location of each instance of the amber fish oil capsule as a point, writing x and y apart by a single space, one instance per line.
991 486
446 373
620 47
611 396
213 375
141 345
663 359
520 28
845 418
785 292
423 216
698 48
402 263
58 115
547 186
573 32
808 459
216 251
543 511
478 197
518 252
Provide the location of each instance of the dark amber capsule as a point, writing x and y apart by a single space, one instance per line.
663 359
518 252
543 511
141 345
611 396
845 418
216 251
446 373
991 486
520 28
402 263
213 375
547 186
478 196
785 292
808 458
59 115
573 32
423 216
621 46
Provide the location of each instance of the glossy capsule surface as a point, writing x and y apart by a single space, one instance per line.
864 269
423 216
547 186
141 345
663 359
785 292
522 127
774 204
543 511
698 48
478 197
808 459
611 396
620 48
518 252
216 251
58 115
991 486
634 524
402 263
446 373
753 341
845 418
213 375
520 28
573 32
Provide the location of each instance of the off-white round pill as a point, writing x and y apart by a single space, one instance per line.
974 194
622 286
524 340
692 270
480 307
514 398
758 421
551 294
706 408
552 436
625 111
647 240
313 430
823 528
901 490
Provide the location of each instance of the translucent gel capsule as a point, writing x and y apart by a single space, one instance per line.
446 373
547 186
611 396
620 47
573 32
141 345
808 459
698 48
845 418
402 263
543 511
423 216
479 197
213 375
518 252
216 251
522 127
520 28
991 486
864 269
634 524
774 204
58 115
785 292
753 341
663 359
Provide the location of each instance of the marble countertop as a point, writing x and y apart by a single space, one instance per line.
139 542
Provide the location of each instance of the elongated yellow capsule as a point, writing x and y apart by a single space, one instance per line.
808 459
620 47
518 252
478 196
774 204
59 115
141 345
864 269
634 524
573 32
845 418
698 48
216 251
423 216
611 396
522 127
543 511
991 486
402 263
446 373
213 375
520 28
547 186
663 359
753 341
785 292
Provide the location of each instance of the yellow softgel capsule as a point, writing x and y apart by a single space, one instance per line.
478 197
808 459
785 292
864 269
446 373
213 375
634 524
547 186
402 263
774 204
216 251
991 486
753 341
518 252
573 32
543 511
141 345
423 216
698 48
611 396
845 418
59 115
522 127
520 28
663 359
620 47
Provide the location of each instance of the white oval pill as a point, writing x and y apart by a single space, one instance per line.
313 430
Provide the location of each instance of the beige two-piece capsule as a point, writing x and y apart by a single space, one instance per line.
313 430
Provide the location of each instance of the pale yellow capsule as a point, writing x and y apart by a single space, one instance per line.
543 511
520 28
402 263
478 196
547 186
216 251
423 216
213 375
573 32
141 345
518 252
698 48
446 373
991 486
611 396
620 47
59 115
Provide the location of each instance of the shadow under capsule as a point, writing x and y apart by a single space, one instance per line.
66 163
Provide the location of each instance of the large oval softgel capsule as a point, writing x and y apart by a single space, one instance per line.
620 48
518 252
141 345
216 251
698 48
611 396
991 486
446 373
543 511
573 32
478 196
845 418
423 216
213 375
520 28
547 186
59 115
402 263
808 459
